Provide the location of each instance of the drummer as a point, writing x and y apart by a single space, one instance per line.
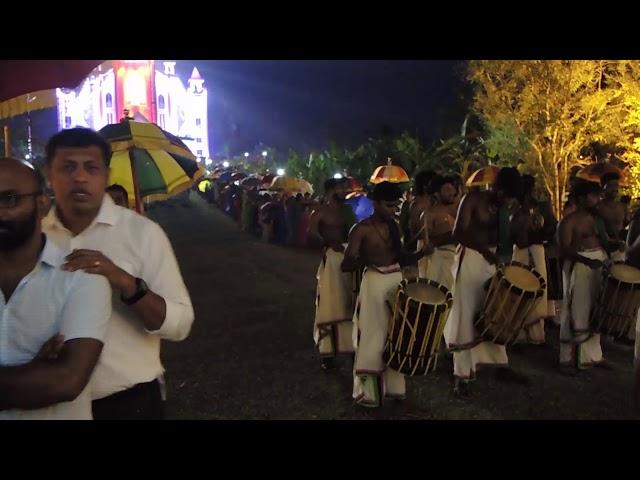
439 221
633 258
421 204
375 243
328 228
614 214
531 226
582 247
477 229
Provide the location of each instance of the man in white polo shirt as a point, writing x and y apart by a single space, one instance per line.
39 302
150 301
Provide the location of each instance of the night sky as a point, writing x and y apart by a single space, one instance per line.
305 104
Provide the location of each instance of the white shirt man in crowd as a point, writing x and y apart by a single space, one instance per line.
150 301
38 301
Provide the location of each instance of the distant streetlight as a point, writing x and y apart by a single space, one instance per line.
225 164
208 162
246 154
337 176
280 172
265 153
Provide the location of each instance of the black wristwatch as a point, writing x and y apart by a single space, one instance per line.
141 291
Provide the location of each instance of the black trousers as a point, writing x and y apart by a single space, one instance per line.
140 402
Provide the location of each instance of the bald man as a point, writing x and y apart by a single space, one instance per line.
52 322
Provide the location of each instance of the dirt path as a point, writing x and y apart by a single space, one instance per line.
251 356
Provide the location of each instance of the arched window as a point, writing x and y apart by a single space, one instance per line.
161 102
108 100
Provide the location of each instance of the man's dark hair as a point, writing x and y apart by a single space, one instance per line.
331 184
78 137
118 188
440 181
626 199
584 188
386 192
509 181
609 177
528 185
422 181
35 172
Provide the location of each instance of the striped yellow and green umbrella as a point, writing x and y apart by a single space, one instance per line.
149 162
389 173
482 177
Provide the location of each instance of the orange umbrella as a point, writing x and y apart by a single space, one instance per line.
595 171
389 173
353 184
482 177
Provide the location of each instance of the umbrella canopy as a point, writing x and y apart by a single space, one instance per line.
291 185
148 136
238 176
148 162
483 176
28 85
19 77
267 179
353 184
595 171
204 184
389 173
225 177
250 182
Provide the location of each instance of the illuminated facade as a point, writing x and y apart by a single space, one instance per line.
150 95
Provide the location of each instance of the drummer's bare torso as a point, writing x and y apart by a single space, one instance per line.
328 221
614 214
483 218
584 234
418 207
440 221
375 245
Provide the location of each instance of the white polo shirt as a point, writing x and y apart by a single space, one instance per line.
49 301
131 354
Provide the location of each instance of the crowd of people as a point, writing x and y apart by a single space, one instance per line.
279 217
460 240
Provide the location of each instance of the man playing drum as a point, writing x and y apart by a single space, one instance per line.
530 227
614 214
375 243
581 246
421 204
439 222
477 230
633 258
329 227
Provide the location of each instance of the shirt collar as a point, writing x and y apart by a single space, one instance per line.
108 215
51 255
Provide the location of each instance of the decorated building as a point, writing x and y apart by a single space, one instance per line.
149 93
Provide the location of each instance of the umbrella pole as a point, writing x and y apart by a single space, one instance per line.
7 141
136 187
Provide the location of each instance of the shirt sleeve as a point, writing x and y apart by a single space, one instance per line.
162 274
87 309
